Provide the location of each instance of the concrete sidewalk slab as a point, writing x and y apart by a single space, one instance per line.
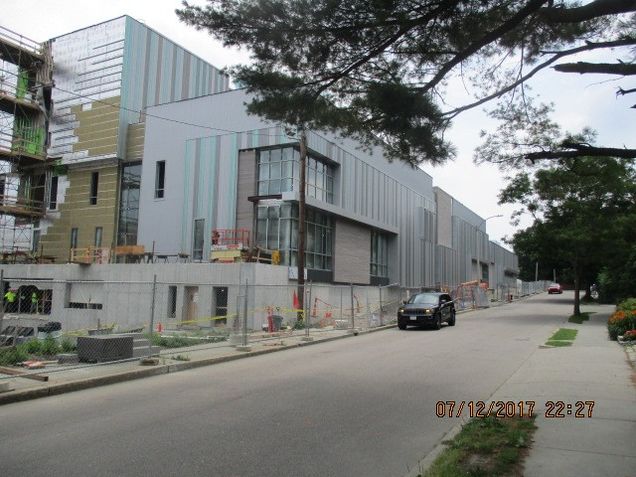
592 369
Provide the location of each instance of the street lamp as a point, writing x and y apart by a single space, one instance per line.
479 272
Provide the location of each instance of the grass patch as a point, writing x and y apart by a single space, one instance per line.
177 341
558 344
580 319
564 334
486 447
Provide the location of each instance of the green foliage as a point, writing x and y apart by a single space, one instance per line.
623 319
580 318
13 354
49 346
564 334
585 214
177 341
375 70
67 345
485 447
558 344
33 346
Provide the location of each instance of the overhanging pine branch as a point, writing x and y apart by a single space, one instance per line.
557 55
623 92
581 150
592 10
583 67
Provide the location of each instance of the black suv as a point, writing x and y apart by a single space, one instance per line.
427 308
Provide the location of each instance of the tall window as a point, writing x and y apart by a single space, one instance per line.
379 255
277 229
53 194
129 205
98 236
197 245
74 237
278 172
94 186
172 301
160 179
35 244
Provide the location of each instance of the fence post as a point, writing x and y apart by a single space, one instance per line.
245 315
152 313
381 310
341 309
307 311
353 325
2 306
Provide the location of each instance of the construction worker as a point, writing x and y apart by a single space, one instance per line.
10 297
34 302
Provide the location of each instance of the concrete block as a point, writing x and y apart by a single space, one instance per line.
5 386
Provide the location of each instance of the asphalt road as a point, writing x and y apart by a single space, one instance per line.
358 406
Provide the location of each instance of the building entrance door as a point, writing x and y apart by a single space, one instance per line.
190 303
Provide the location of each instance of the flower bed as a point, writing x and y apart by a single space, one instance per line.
623 320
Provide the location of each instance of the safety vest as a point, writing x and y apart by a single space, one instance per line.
34 297
10 296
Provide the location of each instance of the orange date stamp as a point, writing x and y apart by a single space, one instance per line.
508 409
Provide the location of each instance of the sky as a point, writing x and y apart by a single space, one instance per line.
580 101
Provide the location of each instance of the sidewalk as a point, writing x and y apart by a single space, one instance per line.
592 369
73 378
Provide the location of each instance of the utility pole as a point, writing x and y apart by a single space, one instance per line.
536 272
301 223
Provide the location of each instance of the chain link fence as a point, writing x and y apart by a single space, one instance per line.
44 323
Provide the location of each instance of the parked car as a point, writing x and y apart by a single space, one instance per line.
427 308
554 288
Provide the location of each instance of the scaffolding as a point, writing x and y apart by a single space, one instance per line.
25 109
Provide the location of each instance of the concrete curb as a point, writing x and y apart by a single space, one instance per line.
80 384
422 466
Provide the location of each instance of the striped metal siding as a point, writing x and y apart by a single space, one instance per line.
360 188
157 71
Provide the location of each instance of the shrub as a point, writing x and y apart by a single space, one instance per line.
33 346
623 319
13 355
67 345
49 346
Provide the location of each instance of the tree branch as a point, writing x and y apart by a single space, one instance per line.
580 150
583 67
557 55
592 10
623 92
488 38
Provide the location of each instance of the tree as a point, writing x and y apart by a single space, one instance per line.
376 70
584 215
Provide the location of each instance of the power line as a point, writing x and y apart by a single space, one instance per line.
177 121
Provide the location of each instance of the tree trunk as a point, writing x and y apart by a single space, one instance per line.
577 296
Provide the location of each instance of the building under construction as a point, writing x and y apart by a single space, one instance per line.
26 70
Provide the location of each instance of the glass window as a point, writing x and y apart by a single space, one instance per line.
160 179
98 236
278 172
281 234
53 193
74 233
197 246
129 204
379 266
94 186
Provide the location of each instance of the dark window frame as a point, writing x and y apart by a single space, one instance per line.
160 180
92 199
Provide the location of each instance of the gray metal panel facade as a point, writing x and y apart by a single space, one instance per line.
205 180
